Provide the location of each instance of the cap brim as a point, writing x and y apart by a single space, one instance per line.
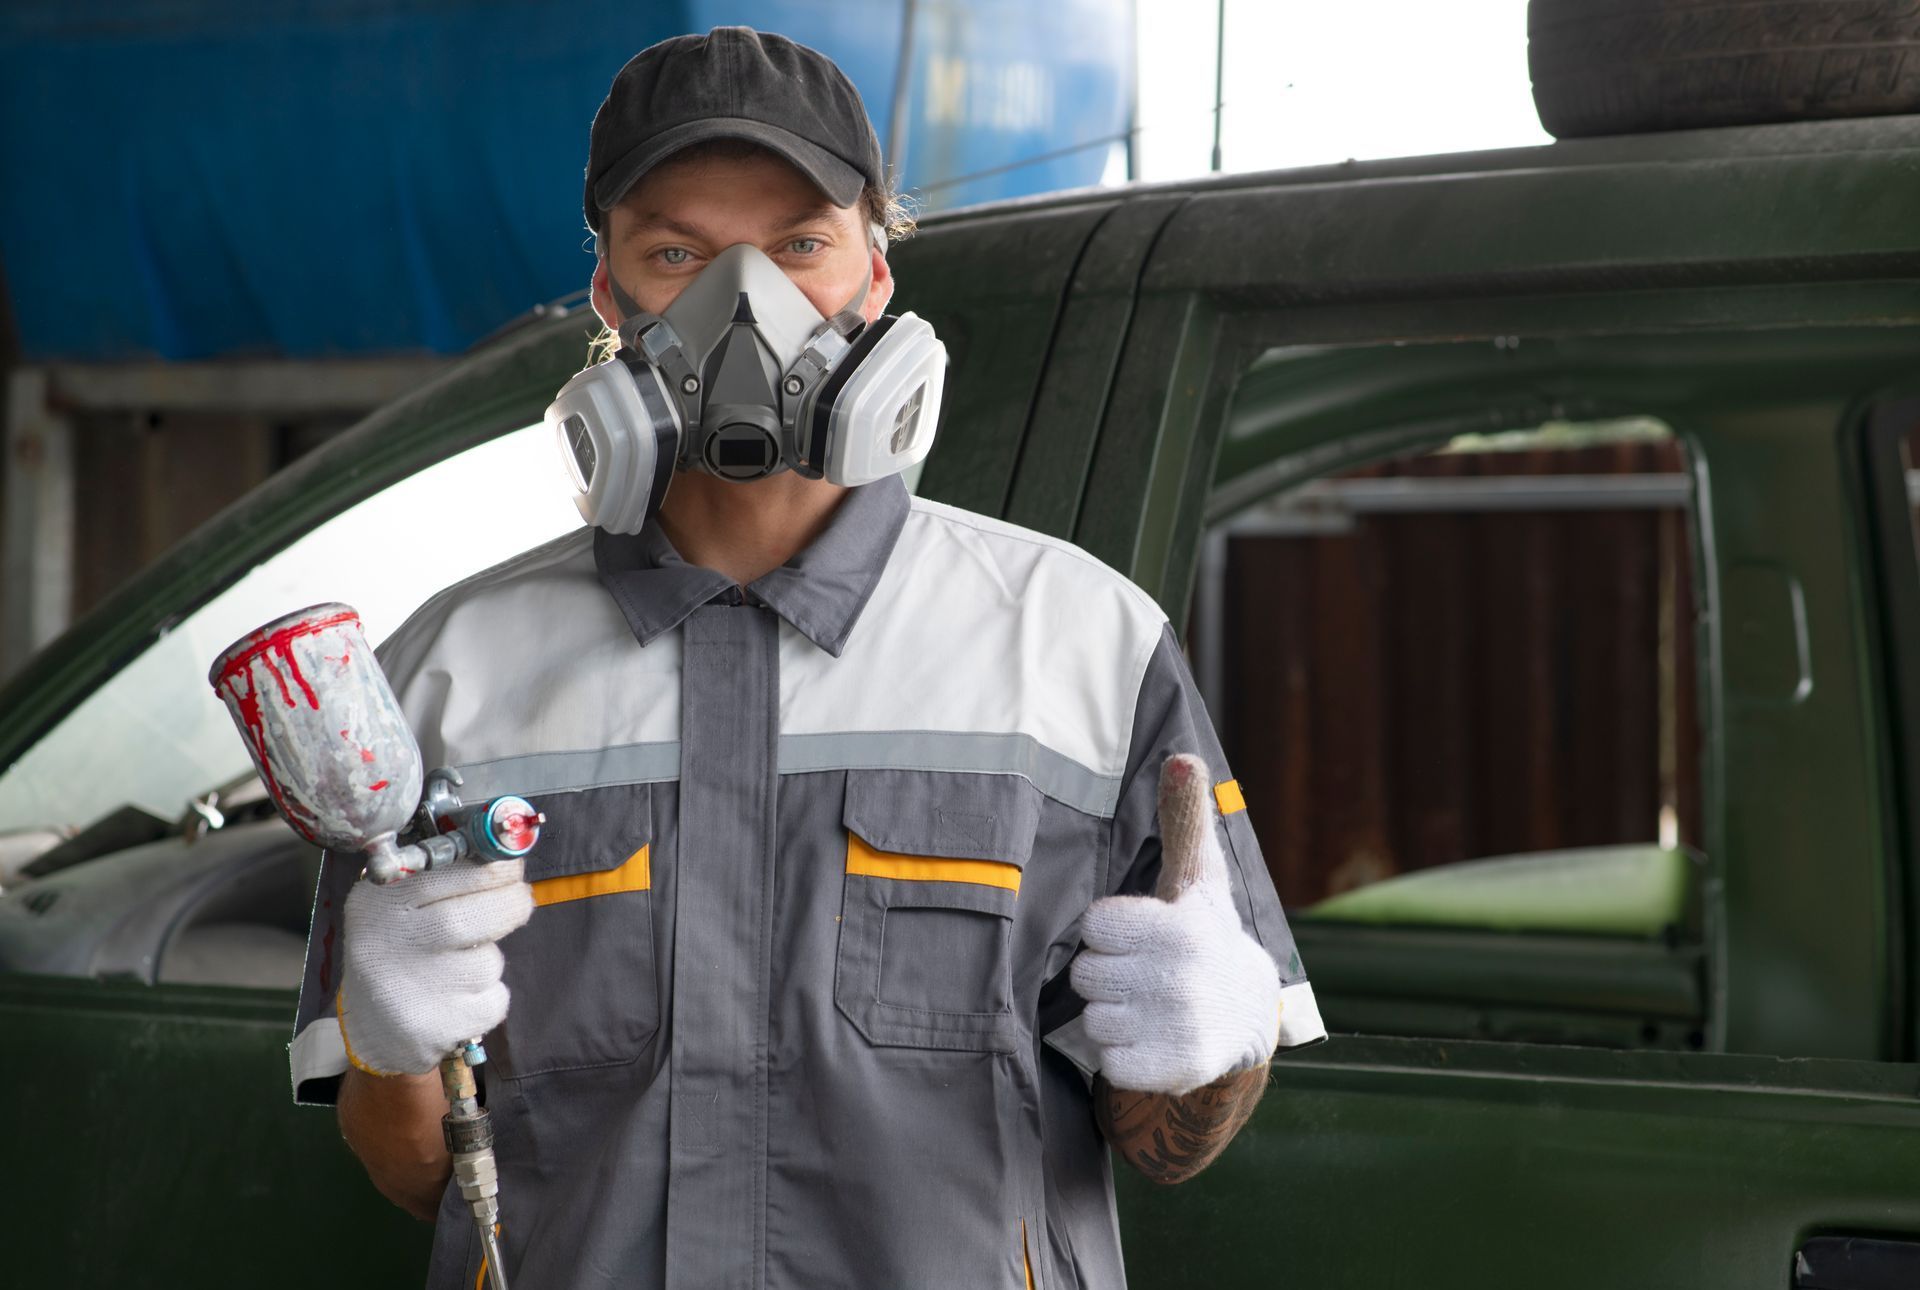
841 182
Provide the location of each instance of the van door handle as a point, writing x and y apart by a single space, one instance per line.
1856 1263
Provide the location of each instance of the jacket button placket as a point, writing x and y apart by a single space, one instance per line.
716 1199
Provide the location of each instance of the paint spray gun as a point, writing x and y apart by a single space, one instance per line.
333 749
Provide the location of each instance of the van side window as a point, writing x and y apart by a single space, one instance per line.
1458 687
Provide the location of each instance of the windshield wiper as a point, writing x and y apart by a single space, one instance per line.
118 829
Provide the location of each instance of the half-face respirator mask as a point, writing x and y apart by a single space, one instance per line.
742 377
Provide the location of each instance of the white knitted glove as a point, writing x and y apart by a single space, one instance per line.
1178 995
422 971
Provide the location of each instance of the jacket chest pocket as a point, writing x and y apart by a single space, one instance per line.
933 868
581 972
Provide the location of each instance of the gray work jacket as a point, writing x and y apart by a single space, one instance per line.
792 1011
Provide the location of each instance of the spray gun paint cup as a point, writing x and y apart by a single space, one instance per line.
325 731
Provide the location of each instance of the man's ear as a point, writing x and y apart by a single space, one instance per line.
880 290
603 295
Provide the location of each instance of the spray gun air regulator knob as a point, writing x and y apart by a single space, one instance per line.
505 828
502 828
446 829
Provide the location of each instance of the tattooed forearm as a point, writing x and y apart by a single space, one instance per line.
1168 1138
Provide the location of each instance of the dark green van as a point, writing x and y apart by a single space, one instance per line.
1544 525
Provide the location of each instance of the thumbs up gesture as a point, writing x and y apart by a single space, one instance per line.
1178 995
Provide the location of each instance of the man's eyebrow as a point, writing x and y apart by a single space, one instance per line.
814 216
659 223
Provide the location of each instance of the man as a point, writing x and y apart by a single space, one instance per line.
845 952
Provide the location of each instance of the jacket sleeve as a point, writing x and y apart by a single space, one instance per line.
1169 718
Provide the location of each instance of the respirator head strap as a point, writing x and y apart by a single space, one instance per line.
851 318
847 323
624 305
642 330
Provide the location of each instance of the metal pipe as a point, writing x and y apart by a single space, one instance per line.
1329 505
490 1259
38 534
1219 77
897 119
1133 93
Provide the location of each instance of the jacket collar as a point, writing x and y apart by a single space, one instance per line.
820 592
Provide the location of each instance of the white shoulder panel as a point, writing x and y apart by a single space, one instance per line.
982 628
531 656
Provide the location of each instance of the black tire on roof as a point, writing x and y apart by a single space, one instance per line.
1625 66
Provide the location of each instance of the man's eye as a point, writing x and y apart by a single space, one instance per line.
674 255
804 245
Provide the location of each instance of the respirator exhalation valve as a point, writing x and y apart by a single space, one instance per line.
741 449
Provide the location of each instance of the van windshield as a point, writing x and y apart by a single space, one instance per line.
156 736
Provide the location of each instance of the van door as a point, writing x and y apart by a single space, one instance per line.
1686 1099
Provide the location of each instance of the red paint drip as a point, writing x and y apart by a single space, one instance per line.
235 675
293 670
285 651
247 703
278 640
281 643
378 784
286 695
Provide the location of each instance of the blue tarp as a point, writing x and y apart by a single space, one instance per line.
185 179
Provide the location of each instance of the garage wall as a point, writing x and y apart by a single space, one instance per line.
1428 688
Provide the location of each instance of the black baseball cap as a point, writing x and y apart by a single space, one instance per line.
732 83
